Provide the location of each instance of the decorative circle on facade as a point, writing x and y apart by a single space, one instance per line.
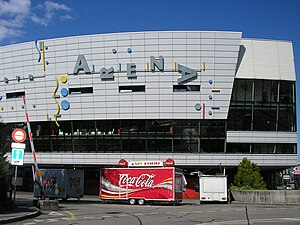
210 97
210 113
114 51
64 92
129 50
210 81
65 105
198 106
64 79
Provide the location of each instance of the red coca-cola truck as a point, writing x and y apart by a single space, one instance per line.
143 184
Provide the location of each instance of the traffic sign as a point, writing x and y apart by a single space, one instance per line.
18 145
17 157
18 135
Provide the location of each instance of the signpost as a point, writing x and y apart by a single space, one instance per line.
17 154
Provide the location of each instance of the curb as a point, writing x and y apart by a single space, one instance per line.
23 217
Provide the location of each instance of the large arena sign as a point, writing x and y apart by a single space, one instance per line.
187 74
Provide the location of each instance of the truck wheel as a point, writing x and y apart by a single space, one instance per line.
141 201
132 201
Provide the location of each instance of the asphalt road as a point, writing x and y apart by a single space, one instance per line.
91 213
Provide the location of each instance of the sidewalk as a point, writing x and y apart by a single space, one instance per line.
24 209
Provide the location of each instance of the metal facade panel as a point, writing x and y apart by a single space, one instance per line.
261 137
262 160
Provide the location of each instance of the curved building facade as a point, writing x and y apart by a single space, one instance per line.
205 99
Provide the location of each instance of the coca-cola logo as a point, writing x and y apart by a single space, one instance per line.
141 181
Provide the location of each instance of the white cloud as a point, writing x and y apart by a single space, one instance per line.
14 14
50 9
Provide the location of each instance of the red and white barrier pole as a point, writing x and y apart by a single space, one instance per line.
37 172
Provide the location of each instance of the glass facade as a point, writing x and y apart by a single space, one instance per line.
256 105
262 105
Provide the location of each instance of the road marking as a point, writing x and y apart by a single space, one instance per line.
29 223
138 214
106 216
183 212
72 216
55 214
88 217
122 215
225 210
197 212
51 220
38 220
211 211
151 213
66 218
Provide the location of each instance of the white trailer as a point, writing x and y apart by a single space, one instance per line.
213 188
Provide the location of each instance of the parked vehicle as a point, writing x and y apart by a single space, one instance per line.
141 185
213 188
60 183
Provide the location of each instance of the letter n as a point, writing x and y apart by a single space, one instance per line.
81 64
155 63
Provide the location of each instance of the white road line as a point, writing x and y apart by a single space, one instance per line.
106 216
88 217
225 210
51 220
66 218
138 214
122 215
197 212
29 223
183 212
55 214
38 221
211 211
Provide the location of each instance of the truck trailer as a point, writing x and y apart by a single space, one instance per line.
213 188
141 185
60 183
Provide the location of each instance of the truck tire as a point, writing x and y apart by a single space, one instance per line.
141 201
132 201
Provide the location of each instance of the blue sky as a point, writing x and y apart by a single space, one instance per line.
24 20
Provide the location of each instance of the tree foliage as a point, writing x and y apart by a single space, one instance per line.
248 177
4 171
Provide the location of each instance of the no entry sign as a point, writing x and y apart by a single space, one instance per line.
18 135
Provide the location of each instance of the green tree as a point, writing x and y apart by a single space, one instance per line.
248 177
4 170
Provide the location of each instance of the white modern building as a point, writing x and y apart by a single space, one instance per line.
206 99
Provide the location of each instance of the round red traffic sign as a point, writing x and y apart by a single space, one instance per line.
18 135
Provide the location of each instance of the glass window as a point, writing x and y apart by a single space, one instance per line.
264 118
286 118
286 149
239 117
185 146
286 92
186 128
212 128
237 148
258 90
263 148
159 145
212 146
243 90
133 145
